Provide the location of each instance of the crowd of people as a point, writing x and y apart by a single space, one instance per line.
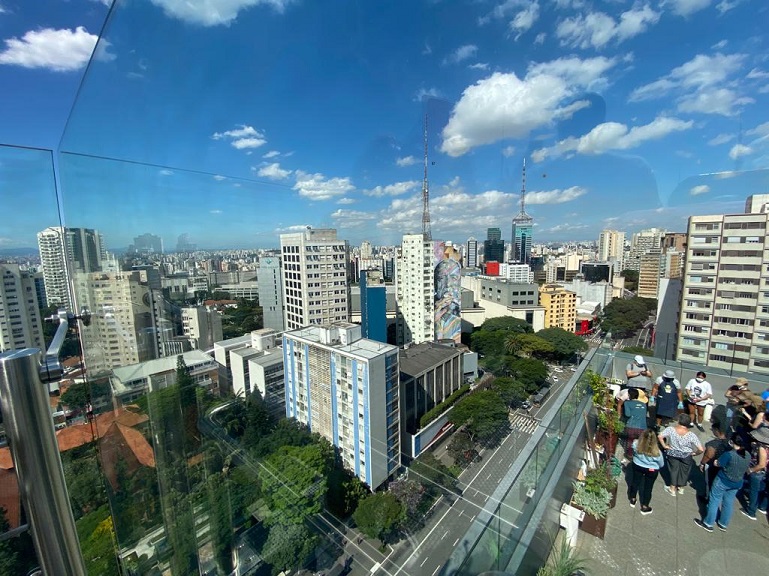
659 417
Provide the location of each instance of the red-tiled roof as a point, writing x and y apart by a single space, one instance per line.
9 497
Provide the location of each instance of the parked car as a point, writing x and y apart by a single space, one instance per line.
526 405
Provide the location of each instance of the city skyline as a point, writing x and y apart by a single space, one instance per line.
659 103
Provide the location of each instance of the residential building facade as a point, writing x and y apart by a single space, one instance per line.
560 306
271 293
20 322
414 281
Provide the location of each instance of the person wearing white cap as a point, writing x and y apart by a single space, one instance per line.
638 373
668 395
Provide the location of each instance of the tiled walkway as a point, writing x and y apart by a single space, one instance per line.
667 542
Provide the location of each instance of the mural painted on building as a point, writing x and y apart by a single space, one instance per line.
448 321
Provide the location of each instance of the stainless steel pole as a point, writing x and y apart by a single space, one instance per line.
31 436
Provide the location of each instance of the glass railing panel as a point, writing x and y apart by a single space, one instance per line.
29 205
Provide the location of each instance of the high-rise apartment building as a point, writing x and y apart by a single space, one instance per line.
79 250
560 306
494 246
345 388
414 279
202 326
611 247
271 292
365 250
471 259
147 244
650 270
20 323
314 278
373 308
724 321
642 242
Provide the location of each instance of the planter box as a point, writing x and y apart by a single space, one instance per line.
591 524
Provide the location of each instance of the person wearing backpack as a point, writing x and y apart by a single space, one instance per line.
756 481
733 464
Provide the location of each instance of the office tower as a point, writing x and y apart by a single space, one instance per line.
345 388
122 330
62 249
523 227
560 306
651 267
148 244
202 325
314 278
611 246
517 273
724 320
493 246
20 323
414 279
271 292
373 309
184 244
471 259
598 271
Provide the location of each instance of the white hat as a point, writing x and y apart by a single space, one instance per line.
639 360
669 374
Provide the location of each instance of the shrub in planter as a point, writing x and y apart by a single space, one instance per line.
595 503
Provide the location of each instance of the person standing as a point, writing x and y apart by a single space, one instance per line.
647 461
638 374
733 464
713 450
698 393
668 396
733 401
635 412
759 458
680 444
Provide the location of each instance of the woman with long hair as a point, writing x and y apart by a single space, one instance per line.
647 461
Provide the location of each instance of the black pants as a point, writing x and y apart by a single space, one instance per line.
642 480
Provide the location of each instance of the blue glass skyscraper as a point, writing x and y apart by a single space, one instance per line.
523 225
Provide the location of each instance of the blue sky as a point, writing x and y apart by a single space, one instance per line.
236 120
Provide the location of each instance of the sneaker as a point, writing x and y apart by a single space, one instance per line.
702 525
645 511
669 490
680 490
632 502
744 513
699 427
624 461
761 511
720 527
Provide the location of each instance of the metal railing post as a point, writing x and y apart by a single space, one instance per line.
31 436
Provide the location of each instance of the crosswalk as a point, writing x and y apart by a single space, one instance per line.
523 422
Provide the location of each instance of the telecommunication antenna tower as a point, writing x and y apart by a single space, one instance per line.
426 232
523 189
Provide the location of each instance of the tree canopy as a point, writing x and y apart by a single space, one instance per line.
489 339
482 414
288 546
529 345
564 343
530 372
623 317
631 279
378 515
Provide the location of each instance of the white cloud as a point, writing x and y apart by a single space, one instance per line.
701 189
614 136
540 38
426 94
757 74
346 201
166 172
721 139
215 211
242 138
687 7
508 151
504 106
61 50
740 150
292 228
720 45
502 11
213 12
700 83
524 20
393 189
479 66
555 196
406 161
352 218
725 5
219 177
318 187
270 154
597 29
762 130
273 172
566 227
461 54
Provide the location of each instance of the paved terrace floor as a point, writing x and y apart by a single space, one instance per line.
667 542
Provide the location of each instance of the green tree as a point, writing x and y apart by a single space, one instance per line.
259 421
294 482
528 345
78 395
507 324
509 390
288 546
378 515
9 555
631 279
97 542
482 414
564 343
220 519
461 448
433 474
409 493
638 350
528 371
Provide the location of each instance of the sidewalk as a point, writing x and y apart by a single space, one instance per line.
667 542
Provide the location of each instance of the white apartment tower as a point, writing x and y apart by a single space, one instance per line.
611 246
314 278
20 324
724 321
271 292
642 243
345 388
414 279
202 325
